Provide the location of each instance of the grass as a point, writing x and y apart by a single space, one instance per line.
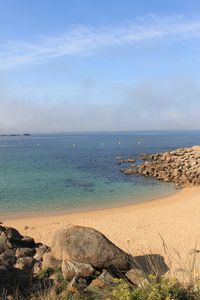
154 288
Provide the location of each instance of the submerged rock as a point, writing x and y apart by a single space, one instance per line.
79 183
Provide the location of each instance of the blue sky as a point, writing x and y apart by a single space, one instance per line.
87 65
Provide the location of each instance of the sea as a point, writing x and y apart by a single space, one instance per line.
63 173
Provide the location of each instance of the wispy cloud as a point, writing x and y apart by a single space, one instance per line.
82 41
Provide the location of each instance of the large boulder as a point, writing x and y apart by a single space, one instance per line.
87 245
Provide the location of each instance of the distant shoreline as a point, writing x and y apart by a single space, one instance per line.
25 134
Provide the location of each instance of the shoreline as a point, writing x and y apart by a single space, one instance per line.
97 208
172 204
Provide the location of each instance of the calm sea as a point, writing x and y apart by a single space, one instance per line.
62 173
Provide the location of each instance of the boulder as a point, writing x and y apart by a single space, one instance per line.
28 241
87 245
22 252
11 233
103 280
25 264
48 261
40 252
136 276
7 259
71 269
4 243
130 171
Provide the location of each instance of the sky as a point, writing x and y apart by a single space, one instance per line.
99 65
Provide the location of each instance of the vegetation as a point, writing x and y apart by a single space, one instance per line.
152 289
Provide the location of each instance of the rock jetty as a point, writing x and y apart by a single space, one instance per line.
181 166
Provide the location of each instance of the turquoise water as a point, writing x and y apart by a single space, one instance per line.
61 173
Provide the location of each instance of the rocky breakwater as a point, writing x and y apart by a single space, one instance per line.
181 166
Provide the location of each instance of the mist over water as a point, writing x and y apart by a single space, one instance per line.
69 172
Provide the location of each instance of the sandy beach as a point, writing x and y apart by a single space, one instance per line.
138 229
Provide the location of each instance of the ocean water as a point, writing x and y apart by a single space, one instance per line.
42 174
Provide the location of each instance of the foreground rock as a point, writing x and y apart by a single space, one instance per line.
18 256
181 166
81 260
71 269
136 276
103 280
87 245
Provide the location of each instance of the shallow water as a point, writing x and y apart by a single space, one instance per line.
60 173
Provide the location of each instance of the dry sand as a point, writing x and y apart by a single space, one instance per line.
138 229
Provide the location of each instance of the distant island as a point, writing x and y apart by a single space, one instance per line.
25 134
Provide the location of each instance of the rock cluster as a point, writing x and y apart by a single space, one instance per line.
87 245
89 259
20 256
181 166
82 256
84 252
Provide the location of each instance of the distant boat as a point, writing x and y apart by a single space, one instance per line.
27 134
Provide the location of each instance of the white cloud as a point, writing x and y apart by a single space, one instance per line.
81 40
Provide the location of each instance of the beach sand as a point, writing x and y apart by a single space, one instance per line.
138 229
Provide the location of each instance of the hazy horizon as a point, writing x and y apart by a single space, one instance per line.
77 66
2 134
